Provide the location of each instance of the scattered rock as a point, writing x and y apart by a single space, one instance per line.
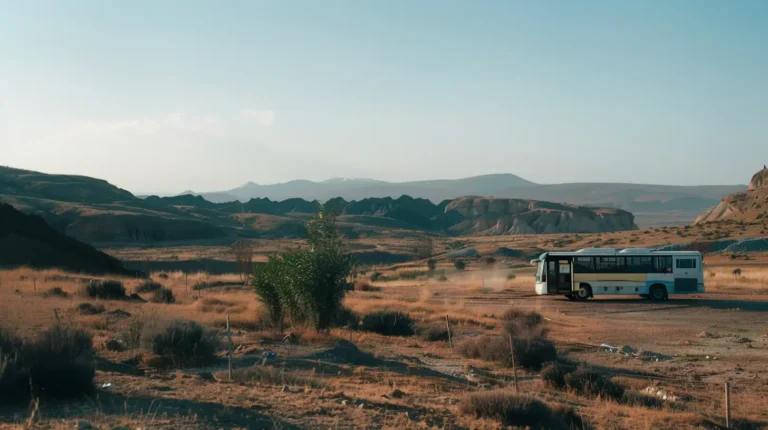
661 394
707 335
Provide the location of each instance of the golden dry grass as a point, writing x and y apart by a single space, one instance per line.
432 378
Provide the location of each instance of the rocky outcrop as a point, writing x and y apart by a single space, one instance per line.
748 206
492 216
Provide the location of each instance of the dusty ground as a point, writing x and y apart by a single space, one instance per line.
700 342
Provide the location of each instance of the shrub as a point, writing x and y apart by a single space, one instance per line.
589 382
435 333
490 261
105 290
431 265
522 323
163 276
182 343
131 337
267 279
55 292
636 398
58 364
529 353
90 309
736 272
517 410
347 318
442 278
388 323
554 374
460 265
163 295
375 276
511 277
411 275
149 286
363 285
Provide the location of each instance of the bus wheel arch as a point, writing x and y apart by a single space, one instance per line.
658 292
584 292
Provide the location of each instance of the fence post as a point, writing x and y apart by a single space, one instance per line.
34 285
229 350
727 405
448 327
514 367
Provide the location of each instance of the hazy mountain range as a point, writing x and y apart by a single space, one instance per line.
652 204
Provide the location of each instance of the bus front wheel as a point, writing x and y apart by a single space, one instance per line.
658 293
583 293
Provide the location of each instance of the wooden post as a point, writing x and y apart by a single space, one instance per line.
56 315
229 349
186 283
448 327
514 367
34 285
727 405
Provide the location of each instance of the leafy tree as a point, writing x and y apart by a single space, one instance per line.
308 283
459 265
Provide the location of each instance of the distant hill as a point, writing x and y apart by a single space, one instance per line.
747 206
89 215
652 204
26 240
358 189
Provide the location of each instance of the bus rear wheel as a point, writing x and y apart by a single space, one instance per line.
657 293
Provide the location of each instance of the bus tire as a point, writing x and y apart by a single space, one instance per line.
657 292
583 293
570 297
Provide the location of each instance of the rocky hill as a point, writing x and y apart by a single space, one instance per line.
515 216
747 206
26 240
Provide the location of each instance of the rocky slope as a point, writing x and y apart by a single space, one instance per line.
747 206
513 216
26 240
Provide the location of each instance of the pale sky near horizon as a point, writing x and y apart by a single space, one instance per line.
167 96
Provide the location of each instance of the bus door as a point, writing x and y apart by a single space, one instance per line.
558 276
686 270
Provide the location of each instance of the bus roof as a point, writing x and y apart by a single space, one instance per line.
614 251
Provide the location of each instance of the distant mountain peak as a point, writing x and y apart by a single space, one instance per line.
343 180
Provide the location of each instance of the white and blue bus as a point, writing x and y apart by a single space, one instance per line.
589 272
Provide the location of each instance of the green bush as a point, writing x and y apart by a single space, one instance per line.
529 353
375 276
431 265
131 337
148 287
347 318
511 276
309 283
388 323
460 265
105 290
182 343
163 295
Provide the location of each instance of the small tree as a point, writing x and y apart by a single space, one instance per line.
424 247
736 273
266 283
243 257
490 261
460 265
431 265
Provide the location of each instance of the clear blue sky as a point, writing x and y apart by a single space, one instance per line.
163 96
